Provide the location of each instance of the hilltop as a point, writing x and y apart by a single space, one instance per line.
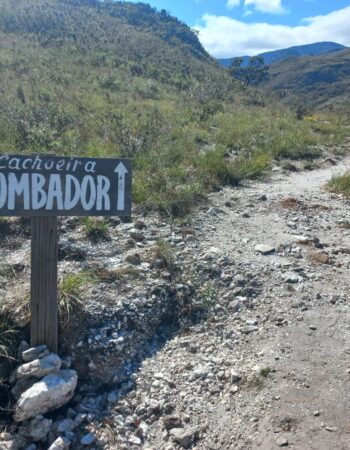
318 48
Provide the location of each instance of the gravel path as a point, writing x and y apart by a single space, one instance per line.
270 367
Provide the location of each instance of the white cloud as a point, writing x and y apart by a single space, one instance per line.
266 6
224 37
233 3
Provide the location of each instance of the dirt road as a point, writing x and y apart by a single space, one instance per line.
271 366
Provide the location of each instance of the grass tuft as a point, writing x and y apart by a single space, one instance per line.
96 229
70 294
340 185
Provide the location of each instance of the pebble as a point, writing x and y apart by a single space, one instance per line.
282 442
265 249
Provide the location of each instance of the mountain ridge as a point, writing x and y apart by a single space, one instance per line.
271 57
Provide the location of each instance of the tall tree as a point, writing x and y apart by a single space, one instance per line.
251 73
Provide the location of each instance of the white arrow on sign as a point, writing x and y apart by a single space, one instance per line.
121 170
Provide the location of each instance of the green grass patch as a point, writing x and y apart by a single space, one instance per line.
340 185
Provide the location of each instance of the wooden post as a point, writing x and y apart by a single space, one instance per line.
44 308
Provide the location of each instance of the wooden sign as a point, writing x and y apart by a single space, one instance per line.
51 186
45 187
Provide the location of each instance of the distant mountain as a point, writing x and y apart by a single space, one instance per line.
321 81
319 48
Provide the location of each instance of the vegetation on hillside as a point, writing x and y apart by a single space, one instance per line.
94 78
320 81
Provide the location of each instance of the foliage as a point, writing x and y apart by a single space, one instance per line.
251 73
208 295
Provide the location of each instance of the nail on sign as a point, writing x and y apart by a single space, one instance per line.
53 186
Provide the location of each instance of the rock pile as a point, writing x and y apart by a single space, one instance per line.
40 385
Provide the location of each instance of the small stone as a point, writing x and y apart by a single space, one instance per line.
134 440
39 428
65 425
212 253
31 447
331 429
264 249
171 422
251 322
249 329
235 377
184 437
60 443
313 327
282 442
88 439
291 277
33 353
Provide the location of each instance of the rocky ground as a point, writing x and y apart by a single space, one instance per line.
237 338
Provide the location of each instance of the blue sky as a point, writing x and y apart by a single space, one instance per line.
237 27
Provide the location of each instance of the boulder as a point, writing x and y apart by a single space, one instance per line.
50 393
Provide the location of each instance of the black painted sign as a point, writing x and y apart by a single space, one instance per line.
39 185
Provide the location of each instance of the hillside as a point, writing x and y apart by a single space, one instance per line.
321 81
94 78
318 48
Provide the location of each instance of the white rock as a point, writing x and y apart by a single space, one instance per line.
60 444
212 253
50 393
33 353
39 367
7 442
264 249
291 277
184 437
